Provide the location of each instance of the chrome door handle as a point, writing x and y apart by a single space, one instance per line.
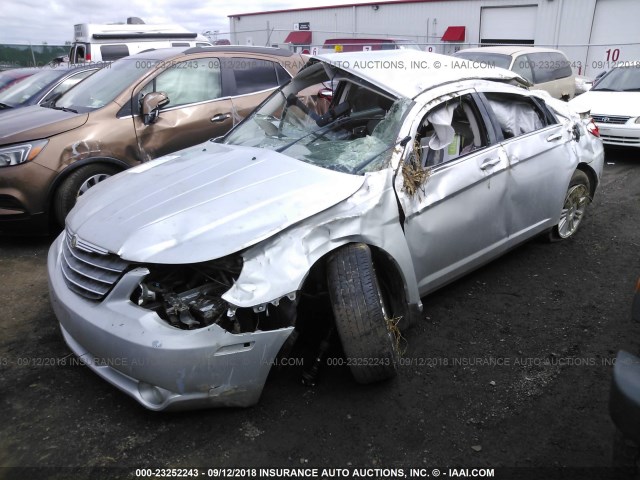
554 137
221 117
489 162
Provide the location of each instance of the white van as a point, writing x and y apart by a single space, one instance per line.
545 68
97 43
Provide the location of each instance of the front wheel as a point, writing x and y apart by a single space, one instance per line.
575 204
363 319
76 184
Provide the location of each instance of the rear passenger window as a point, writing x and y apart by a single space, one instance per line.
515 114
252 75
180 44
113 52
522 66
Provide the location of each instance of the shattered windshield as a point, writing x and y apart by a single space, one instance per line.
327 117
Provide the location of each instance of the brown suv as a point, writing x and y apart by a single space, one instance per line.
138 108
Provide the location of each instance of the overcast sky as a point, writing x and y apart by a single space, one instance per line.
35 21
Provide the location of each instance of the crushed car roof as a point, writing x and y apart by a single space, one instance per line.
407 73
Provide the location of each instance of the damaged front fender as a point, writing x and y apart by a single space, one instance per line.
279 266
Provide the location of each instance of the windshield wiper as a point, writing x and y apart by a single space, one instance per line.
362 165
64 109
596 89
5 105
631 89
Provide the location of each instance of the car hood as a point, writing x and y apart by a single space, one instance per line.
35 122
608 103
204 203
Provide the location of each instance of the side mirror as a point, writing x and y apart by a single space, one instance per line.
151 104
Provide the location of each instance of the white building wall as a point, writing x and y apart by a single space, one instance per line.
569 25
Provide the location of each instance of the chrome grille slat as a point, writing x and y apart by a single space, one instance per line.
612 119
106 261
619 139
99 275
80 282
89 271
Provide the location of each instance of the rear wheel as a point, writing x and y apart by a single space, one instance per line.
575 205
364 322
76 184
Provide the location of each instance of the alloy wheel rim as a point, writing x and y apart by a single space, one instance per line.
573 210
91 181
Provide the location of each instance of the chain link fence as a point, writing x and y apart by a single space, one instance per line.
17 56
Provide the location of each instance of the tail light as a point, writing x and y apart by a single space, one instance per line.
88 57
593 129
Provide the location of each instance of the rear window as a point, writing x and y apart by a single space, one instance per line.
562 66
549 66
113 52
252 75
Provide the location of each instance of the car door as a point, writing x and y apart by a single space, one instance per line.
197 109
250 80
541 160
456 220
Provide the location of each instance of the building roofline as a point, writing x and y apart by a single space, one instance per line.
325 7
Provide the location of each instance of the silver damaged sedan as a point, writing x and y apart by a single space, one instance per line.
365 183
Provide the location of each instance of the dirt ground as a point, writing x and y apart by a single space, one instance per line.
509 369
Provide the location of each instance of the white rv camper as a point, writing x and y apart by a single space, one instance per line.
95 43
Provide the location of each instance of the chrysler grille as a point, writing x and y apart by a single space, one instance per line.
88 270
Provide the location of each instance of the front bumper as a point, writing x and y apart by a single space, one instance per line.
160 366
619 135
23 198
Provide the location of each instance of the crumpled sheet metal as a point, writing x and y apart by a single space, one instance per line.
279 266
587 148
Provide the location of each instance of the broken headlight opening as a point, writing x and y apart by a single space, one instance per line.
189 297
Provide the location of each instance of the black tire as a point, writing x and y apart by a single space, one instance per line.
574 208
361 314
69 190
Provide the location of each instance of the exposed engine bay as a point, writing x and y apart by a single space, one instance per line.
189 297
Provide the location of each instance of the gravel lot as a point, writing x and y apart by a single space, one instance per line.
510 367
